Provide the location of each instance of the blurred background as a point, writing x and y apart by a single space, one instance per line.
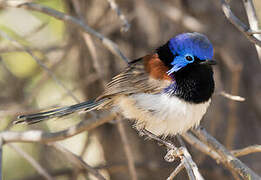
83 65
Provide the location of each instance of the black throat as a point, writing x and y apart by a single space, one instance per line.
194 83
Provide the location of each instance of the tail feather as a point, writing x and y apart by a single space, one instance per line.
57 113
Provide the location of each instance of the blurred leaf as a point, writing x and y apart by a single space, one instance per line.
20 64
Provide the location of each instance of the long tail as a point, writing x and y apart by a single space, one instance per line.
56 113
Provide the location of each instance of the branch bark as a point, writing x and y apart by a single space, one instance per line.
226 156
253 23
45 137
238 23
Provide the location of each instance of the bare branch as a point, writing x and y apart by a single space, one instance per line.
176 171
251 32
127 150
78 161
181 152
156 138
226 157
238 23
45 137
115 7
70 19
195 142
188 162
31 160
247 150
253 23
232 97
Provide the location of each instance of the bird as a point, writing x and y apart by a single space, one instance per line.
166 92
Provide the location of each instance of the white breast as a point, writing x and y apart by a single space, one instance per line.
160 113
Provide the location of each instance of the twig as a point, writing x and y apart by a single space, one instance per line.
189 164
251 32
181 153
45 137
33 162
115 7
238 23
195 142
127 150
246 150
253 23
176 171
232 97
45 77
89 42
39 62
153 136
78 161
75 21
226 157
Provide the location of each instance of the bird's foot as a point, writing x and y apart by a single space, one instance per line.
172 154
173 151
168 144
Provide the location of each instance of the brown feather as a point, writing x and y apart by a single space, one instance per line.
155 67
141 76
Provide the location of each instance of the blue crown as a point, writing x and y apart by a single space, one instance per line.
192 43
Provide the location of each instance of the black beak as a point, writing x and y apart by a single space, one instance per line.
209 62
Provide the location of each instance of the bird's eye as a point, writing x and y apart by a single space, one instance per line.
189 58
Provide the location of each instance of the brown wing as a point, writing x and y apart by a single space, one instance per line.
139 78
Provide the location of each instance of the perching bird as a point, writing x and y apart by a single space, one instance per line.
166 92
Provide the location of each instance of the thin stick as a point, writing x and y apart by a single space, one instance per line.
226 157
78 161
153 136
45 137
253 23
176 171
251 32
127 150
195 142
238 23
31 160
89 41
115 7
189 164
247 150
190 138
232 97
181 153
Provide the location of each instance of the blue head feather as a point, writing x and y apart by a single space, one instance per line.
187 47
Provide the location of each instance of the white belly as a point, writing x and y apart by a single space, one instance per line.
160 113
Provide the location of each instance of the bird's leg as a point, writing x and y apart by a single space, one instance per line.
173 151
